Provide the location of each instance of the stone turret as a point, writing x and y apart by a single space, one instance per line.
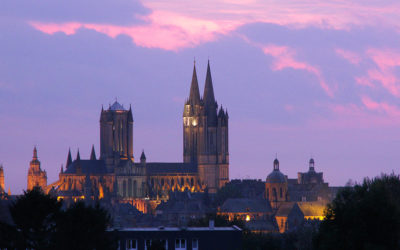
36 176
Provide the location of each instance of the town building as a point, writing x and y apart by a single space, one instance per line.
180 238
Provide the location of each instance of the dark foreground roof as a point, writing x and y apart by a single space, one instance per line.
156 168
87 167
243 205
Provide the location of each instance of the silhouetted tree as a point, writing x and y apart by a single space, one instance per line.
84 227
34 215
365 216
40 223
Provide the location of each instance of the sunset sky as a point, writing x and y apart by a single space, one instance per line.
299 78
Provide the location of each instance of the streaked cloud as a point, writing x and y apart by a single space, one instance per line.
285 58
350 56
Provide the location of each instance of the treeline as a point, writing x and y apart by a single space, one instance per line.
41 222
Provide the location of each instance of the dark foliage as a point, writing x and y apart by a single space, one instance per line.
365 216
40 223
34 215
83 227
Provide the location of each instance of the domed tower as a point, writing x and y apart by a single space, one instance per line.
276 186
36 176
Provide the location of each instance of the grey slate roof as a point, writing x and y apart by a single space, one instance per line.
87 167
154 168
243 205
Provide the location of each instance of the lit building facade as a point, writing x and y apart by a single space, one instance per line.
116 174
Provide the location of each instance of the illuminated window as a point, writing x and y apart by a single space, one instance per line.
195 244
131 244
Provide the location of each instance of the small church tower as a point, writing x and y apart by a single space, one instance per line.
36 176
205 134
276 186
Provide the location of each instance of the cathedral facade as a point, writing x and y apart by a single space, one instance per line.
118 175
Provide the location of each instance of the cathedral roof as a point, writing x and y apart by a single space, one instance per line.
243 205
116 106
87 167
154 168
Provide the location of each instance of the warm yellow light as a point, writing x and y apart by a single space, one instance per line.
101 192
194 122
247 217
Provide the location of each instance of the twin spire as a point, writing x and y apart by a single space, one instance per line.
208 96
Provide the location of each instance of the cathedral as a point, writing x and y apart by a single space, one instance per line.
115 174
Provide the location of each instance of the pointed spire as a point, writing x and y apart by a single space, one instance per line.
62 169
208 95
130 117
92 154
194 97
78 156
142 156
34 153
69 158
9 191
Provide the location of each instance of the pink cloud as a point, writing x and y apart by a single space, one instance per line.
173 25
51 28
285 58
381 107
386 62
364 81
350 56
163 30
369 114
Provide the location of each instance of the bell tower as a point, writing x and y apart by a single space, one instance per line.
36 176
205 134
193 126
116 134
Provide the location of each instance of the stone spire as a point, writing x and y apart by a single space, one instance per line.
34 158
93 154
142 157
194 97
130 117
69 159
210 105
208 95
78 156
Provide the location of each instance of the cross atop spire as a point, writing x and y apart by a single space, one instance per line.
194 97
